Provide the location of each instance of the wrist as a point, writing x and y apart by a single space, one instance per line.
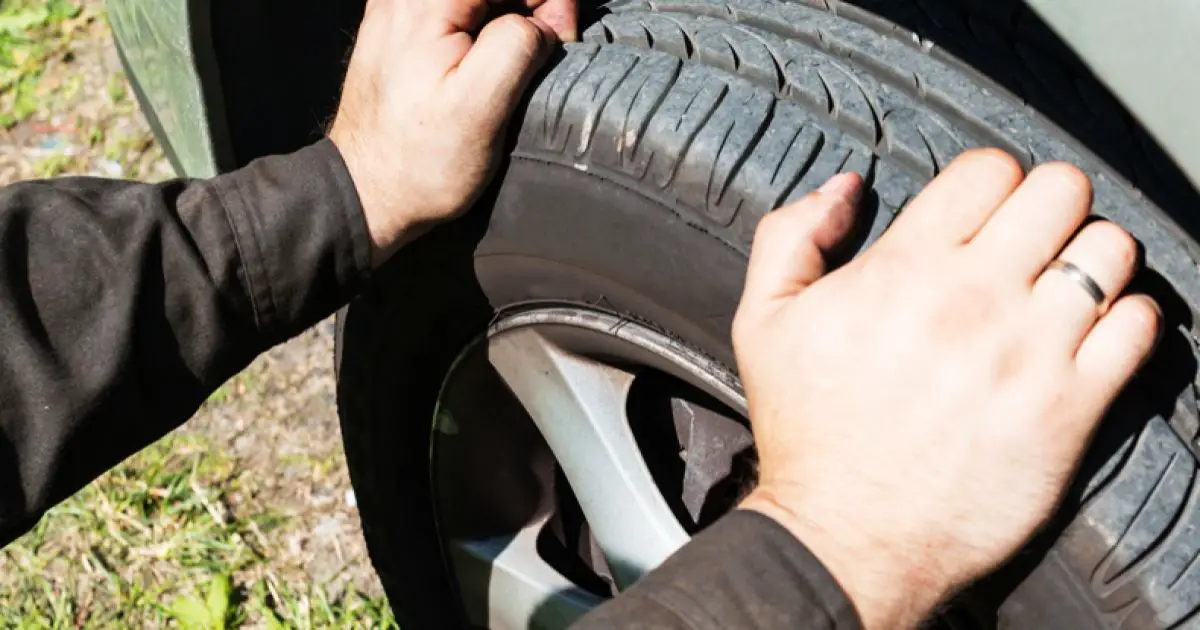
390 220
890 589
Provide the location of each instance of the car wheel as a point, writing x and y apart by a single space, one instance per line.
538 401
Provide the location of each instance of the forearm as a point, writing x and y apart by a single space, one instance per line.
123 305
746 571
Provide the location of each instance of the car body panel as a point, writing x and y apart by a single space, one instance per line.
1144 53
161 44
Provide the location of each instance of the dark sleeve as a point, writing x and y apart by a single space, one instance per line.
123 305
744 572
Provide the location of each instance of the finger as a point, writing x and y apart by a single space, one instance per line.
959 201
498 67
1064 309
1030 229
560 15
1116 348
791 244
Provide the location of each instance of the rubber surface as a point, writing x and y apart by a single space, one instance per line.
644 161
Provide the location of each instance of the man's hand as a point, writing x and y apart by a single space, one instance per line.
426 101
919 412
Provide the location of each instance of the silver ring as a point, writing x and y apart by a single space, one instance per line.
1081 278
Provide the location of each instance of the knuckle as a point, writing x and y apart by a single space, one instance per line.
1117 243
524 36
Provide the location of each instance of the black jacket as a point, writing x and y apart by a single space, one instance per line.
124 305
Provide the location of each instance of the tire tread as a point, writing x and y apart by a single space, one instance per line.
724 110
764 100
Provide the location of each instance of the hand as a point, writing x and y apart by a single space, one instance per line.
425 104
919 412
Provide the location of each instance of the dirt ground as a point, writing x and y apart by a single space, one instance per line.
244 517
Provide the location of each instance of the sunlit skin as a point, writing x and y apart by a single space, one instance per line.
919 412
430 88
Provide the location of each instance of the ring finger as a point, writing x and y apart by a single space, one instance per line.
1065 307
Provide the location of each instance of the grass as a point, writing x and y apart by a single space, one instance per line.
174 537
87 122
32 32
155 543
183 534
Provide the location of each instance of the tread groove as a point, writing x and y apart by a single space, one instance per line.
1172 526
819 146
819 38
691 137
654 107
928 147
566 95
751 147
829 98
1106 564
712 169
737 59
588 132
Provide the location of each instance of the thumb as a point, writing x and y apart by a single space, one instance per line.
791 244
505 56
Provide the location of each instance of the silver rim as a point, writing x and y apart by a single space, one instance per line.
570 372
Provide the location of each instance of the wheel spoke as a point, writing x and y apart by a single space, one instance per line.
579 406
506 585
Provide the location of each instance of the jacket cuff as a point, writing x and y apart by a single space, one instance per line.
749 571
300 232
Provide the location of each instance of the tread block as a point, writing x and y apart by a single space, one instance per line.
687 108
546 105
731 108
624 120
879 115
588 96
720 148
776 165
1137 537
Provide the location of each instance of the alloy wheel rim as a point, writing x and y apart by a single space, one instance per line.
550 400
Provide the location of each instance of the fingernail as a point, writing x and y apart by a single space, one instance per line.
1161 331
843 185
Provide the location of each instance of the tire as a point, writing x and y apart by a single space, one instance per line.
645 159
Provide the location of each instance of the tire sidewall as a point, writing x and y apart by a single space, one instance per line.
609 248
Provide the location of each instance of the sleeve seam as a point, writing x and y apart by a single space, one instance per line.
256 239
246 265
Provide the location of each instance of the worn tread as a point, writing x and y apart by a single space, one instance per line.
734 107
723 110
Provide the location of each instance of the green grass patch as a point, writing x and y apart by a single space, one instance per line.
31 33
154 543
